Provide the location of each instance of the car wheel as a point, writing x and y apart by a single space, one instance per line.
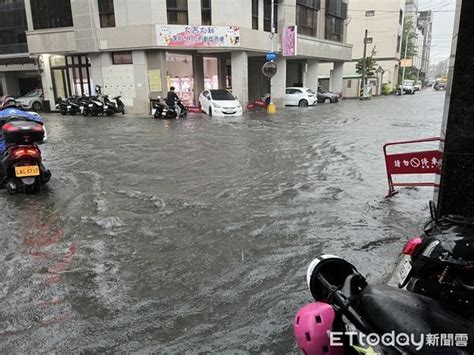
303 103
327 100
36 106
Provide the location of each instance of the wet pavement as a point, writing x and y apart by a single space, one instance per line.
194 235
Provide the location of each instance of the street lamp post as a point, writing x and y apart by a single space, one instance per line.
405 62
271 106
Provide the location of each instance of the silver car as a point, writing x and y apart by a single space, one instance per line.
32 100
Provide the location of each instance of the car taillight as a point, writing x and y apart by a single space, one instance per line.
25 152
411 246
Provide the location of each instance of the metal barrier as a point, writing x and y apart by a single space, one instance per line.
421 162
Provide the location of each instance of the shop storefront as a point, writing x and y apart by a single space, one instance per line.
70 75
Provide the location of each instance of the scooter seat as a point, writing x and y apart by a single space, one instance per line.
389 309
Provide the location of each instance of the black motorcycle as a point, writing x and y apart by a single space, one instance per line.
111 107
61 106
440 263
163 111
94 107
382 310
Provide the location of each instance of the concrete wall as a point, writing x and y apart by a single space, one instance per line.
130 80
235 13
325 50
384 27
58 40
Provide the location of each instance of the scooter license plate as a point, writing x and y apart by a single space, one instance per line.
91 105
69 107
405 268
26 171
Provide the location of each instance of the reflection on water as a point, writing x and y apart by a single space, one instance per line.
194 235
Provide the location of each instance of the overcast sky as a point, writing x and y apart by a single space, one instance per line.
443 22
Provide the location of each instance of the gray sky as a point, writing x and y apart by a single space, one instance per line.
443 22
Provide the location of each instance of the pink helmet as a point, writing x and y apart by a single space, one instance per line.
312 325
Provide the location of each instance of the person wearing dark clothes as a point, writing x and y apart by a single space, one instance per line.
171 100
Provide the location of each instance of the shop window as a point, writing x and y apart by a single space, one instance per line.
255 14
267 15
51 13
122 57
307 16
106 13
206 12
336 14
177 12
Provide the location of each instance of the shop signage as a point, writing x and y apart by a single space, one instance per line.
290 40
197 36
406 63
271 56
154 79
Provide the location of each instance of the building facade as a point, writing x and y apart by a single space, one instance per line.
383 21
139 48
18 72
425 25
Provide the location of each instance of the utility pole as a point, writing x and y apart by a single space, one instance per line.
405 64
271 106
364 63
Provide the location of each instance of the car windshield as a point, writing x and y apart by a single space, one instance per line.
222 95
408 82
33 93
321 91
310 91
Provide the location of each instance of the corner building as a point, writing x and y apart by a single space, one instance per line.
139 48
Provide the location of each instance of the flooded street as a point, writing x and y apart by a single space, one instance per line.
194 235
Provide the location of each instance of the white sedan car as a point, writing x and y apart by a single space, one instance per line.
220 103
302 97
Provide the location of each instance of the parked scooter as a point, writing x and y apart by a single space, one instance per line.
440 264
61 106
111 107
21 165
351 317
94 107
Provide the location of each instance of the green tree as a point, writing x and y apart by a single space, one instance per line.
370 65
409 32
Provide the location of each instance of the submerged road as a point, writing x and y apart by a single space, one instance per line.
194 235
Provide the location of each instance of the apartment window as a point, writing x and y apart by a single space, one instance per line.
336 14
400 17
255 14
206 13
177 12
106 13
307 16
122 57
267 15
51 13
12 27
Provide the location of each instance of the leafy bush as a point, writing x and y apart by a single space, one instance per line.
386 90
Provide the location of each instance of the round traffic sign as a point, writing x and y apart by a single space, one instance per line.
269 69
